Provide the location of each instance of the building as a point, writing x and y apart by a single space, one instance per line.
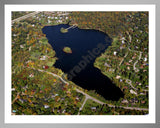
107 65
115 53
145 59
133 92
46 106
118 77
31 75
124 101
45 67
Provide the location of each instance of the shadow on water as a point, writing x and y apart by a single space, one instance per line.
86 45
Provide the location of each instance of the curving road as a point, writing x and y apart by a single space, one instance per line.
134 65
123 59
89 97
15 98
25 16
128 81
53 75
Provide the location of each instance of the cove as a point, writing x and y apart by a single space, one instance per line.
86 46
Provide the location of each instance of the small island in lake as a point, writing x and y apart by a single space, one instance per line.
67 50
63 30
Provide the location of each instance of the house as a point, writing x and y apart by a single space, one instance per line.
121 47
107 65
136 47
43 58
136 70
142 93
21 46
115 53
31 75
118 77
62 99
143 101
64 111
45 67
49 21
56 94
46 106
127 63
14 35
123 41
124 101
133 92
145 59
13 111
141 66
28 61
123 38
144 70
145 48
40 91
133 57
134 100
125 87
93 108
77 98
25 87
21 100
147 86
30 48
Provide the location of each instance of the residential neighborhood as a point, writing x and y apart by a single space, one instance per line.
39 88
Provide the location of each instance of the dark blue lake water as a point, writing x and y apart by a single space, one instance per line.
86 45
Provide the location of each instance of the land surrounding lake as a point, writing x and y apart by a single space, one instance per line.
86 45
86 63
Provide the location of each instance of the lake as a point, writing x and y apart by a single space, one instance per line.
86 46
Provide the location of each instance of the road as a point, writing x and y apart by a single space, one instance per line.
123 58
134 65
89 97
32 14
25 16
130 83
15 98
84 102
53 75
